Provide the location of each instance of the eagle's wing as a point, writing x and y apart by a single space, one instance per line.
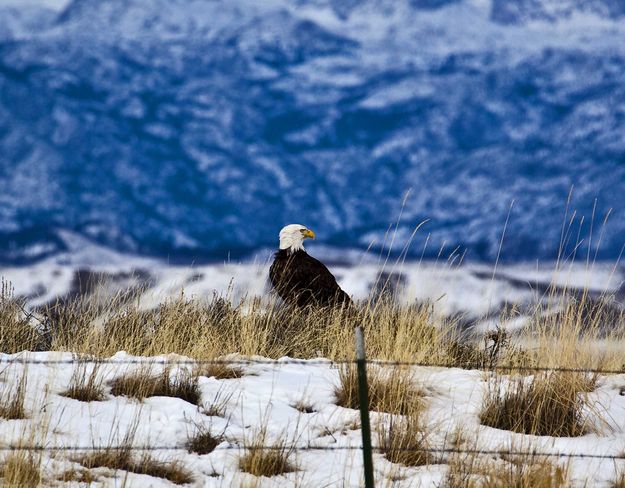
321 281
300 279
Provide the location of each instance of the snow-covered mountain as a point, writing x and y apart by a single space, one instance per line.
196 129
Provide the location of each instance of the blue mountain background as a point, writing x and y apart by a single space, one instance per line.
193 130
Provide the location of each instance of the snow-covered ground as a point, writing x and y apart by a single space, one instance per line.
266 397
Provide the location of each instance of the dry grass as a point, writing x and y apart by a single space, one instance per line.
583 333
401 436
619 482
473 471
391 390
17 332
260 461
404 441
209 329
203 441
568 327
220 371
218 406
143 383
118 456
212 328
12 400
177 325
21 468
85 383
550 404
82 476
123 460
303 406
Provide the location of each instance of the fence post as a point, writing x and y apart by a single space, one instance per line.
363 397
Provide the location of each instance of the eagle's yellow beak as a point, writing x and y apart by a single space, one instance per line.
308 233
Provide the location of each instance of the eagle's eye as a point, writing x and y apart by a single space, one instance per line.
303 231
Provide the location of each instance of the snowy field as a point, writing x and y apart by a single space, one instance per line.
271 396
294 402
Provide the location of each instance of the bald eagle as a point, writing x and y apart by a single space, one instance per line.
298 278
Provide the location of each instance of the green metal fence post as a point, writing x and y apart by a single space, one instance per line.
363 397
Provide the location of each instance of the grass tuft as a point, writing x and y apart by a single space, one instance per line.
17 332
219 371
21 469
390 390
122 459
82 476
85 386
404 441
548 404
203 441
219 404
119 456
473 471
142 384
260 461
12 401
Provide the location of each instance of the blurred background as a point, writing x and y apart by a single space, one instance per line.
193 130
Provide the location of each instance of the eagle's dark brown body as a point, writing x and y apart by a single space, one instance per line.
301 280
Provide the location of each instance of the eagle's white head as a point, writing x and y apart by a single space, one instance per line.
292 237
